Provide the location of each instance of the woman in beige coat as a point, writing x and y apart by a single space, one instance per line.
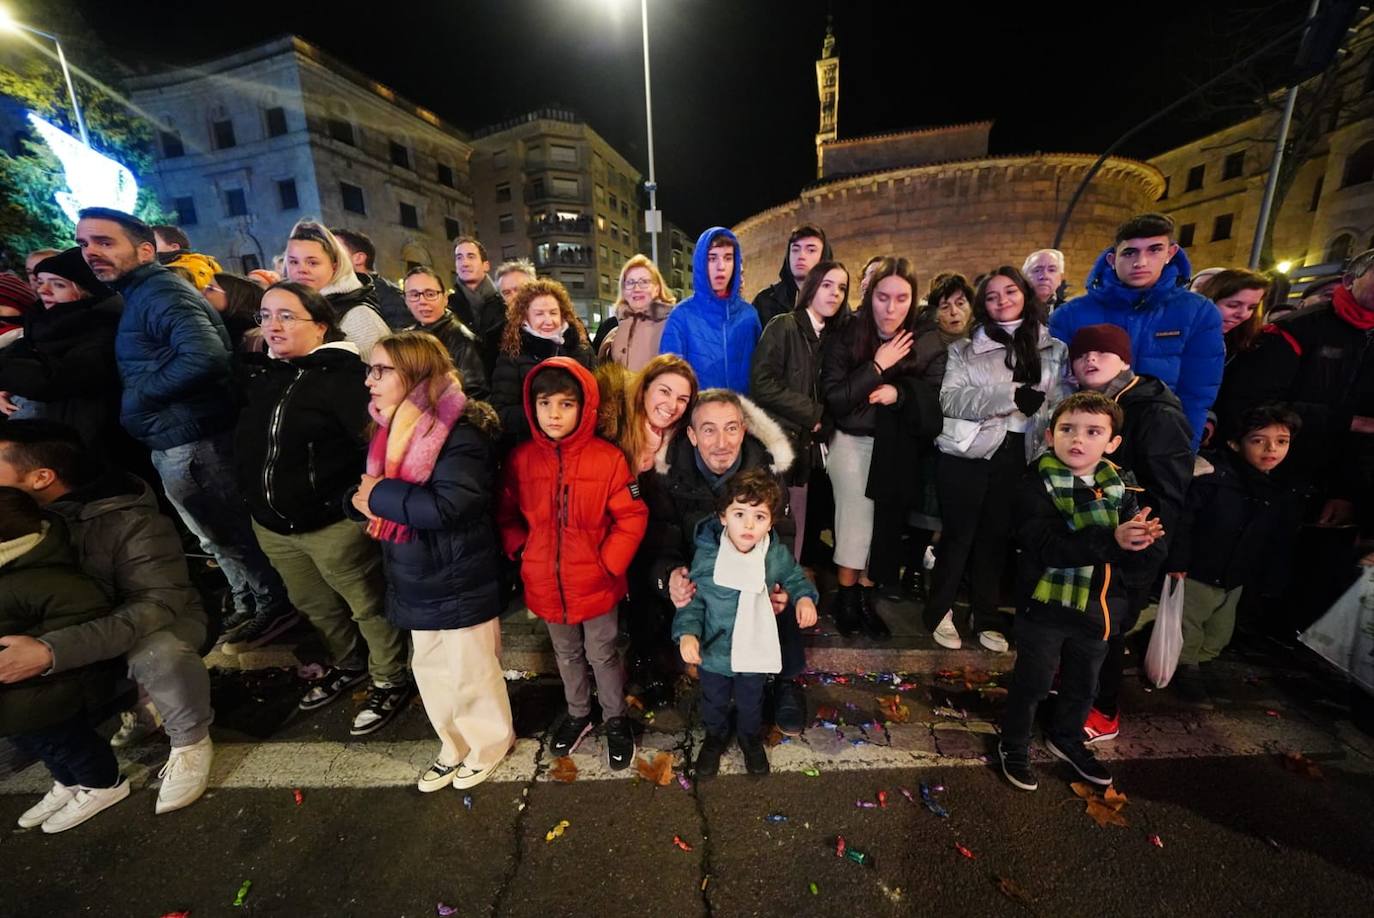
641 312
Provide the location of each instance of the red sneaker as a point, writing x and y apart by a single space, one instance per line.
1099 728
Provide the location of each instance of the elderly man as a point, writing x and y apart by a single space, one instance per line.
727 434
511 276
1044 268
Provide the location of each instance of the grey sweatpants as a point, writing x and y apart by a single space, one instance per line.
593 641
169 670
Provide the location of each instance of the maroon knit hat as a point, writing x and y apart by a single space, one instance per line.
1105 339
16 293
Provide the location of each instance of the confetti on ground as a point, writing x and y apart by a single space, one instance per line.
811 772
242 893
677 840
928 800
445 910
815 890
518 675
1156 841
892 706
964 851
300 798
684 782
467 801
557 831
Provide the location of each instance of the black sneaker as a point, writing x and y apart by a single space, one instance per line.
233 620
869 620
1190 685
755 755
383 703
913 582
789 707
569 735
846 610
1081 760
708 756
261 629
329 687
620 743
1016 767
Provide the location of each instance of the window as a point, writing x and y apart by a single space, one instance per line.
276 121
566 187
575 280
537 190
614 203
1195 175
186 211
352 198
1221 227
1359 166
1165 195
500 159
224 134
444 174
1338 249
624 208
503 193
601 250
452 228
400 155
409 216
1185 234
286 193
250 263
505 223
342 131
561 153
507 252
235 202
1316 194
171 145
605 282
600 193
615 231
1234 165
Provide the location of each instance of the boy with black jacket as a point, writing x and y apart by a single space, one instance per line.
1070 529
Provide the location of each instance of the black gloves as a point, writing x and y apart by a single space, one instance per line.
1028 399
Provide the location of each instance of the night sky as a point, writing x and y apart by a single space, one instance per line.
734 93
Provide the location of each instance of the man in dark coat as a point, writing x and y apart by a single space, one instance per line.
390 303
806 247
475 299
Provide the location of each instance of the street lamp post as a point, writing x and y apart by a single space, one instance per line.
653 219
8 23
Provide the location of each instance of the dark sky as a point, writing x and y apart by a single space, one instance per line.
734 93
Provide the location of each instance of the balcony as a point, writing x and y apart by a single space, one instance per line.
563 254
551 224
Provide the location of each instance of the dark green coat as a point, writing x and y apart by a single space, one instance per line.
42 590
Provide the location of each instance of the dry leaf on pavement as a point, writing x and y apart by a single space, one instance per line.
564 769
660 771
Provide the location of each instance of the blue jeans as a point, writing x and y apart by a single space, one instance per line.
75 754
201 483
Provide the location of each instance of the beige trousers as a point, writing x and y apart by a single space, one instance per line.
459 676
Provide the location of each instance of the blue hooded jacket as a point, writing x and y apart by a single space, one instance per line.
1175 333
716 335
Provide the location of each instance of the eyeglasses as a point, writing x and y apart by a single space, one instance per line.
429 296
285 318
641 283
378 370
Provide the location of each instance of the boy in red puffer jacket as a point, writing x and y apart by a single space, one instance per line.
569 502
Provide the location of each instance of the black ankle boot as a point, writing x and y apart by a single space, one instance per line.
846 610
869 620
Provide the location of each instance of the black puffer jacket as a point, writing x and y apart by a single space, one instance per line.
301 441
781 298
847 379
508 376
1156 447
66 362
445 576
391 302
785 382
487 322
462 345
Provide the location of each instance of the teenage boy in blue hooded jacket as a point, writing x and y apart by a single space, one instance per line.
1141 284
715 329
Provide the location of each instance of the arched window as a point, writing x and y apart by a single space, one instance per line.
1338 249
1359 166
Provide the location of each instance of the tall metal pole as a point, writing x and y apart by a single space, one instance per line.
653 219
71 91
1272 182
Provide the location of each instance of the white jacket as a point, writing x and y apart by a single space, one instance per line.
978 396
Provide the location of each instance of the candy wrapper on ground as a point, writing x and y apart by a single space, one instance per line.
557 831
679 843
659 771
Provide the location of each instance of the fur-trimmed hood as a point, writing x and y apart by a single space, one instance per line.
760 426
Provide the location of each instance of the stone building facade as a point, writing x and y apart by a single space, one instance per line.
252 142
1216 182
549 187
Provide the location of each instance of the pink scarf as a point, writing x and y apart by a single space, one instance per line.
407 444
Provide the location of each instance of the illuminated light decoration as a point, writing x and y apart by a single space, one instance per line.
93 178
1283 267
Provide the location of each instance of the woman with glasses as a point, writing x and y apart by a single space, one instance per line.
427 301
640 313
540 323
299 447
237 300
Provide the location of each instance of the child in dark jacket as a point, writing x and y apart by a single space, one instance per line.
570 505
1239 521
41 590
1076 522
727 628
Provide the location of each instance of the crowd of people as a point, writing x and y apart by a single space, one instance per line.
395 463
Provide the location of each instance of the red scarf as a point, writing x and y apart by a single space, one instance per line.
1351 311
407 444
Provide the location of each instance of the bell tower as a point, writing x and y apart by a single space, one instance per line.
828 89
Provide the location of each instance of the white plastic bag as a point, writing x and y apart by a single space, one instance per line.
1345 634
1166 643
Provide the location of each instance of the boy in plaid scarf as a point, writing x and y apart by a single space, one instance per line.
1077 525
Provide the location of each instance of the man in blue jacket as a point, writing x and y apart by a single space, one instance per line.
173 356
715 329
1140 284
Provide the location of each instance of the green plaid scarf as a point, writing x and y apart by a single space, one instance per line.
1069 586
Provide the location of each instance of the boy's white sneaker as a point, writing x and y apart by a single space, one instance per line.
185 776
995 641
85 803
52 801
946 635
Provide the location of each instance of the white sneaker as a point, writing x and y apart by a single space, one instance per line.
994 641
184 776
85 803
52 801
465 777
928 559
437 776
136 725
946 635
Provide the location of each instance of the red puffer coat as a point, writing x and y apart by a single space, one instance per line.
571 504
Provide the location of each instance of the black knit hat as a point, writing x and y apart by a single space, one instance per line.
73 267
